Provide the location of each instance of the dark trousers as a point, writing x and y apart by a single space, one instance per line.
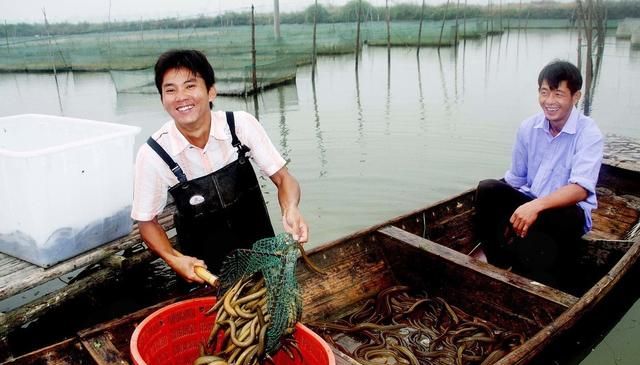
546 253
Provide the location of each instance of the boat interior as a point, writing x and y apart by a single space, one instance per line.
428 251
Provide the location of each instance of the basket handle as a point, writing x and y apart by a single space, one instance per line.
207 276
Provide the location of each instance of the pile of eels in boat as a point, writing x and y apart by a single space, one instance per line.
399 328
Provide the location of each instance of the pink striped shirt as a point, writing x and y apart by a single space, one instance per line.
153 177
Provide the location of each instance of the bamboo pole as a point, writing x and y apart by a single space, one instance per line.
455 38
420 27
109 35
276 18
6 35
464 22
444 17
388 26
588 32
254 78
359 11
314 51
53 62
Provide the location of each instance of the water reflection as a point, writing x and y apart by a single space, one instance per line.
387 104
256 107
322 151
420 91
360 117
285 150
443 82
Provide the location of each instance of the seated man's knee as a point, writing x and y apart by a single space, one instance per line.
487 188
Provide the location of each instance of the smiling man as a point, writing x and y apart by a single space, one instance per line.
202 158
532 218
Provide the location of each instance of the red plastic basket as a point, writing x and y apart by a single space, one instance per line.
172 336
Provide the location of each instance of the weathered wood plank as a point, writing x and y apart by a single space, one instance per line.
67 352
355 271
46 303
103 351
17 275
603 253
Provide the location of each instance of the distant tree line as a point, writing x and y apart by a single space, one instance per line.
332 14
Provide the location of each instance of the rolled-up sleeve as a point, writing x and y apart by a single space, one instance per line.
516 176
586 162
150 191
263 152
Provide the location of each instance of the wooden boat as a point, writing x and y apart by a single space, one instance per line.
427 250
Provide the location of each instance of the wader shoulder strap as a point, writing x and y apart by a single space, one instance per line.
242 149
167 159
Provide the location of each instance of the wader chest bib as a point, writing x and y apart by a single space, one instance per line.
221 211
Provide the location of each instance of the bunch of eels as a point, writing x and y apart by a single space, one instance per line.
239 333
398 328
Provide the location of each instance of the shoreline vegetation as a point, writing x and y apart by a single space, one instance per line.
544 9
249 57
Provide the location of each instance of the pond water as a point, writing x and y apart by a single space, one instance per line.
403 131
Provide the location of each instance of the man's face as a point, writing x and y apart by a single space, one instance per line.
185 96
557 104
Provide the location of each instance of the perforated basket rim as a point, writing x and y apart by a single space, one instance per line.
133 345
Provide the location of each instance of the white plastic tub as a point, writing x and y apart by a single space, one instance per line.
66 185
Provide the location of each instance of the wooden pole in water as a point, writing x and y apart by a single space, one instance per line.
455 39
254 78
6 35
359 11
109 35
388 26
464 22
420 28
276 18
588 32
314 54
141 30
500 10
53 62
444 17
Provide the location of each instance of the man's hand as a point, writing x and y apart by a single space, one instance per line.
289 197
524 216
294 223
185 267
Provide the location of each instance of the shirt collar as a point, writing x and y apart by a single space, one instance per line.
219 126
178 142
569 127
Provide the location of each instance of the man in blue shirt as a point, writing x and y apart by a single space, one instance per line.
532 219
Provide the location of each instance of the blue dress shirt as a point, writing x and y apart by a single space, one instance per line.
542 163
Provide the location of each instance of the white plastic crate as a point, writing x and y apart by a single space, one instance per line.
66 185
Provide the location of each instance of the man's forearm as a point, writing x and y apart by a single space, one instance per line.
565 196
157 240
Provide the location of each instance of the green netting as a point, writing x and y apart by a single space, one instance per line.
275 258
139 50
234 76
409 34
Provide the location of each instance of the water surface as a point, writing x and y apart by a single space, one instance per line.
404 131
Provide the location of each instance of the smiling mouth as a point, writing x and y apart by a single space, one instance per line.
551 109
184 108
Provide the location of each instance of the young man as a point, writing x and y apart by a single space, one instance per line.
531 220
201 157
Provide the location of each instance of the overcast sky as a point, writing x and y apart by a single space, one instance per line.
30 11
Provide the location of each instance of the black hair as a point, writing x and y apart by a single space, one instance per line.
193 60
558 71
